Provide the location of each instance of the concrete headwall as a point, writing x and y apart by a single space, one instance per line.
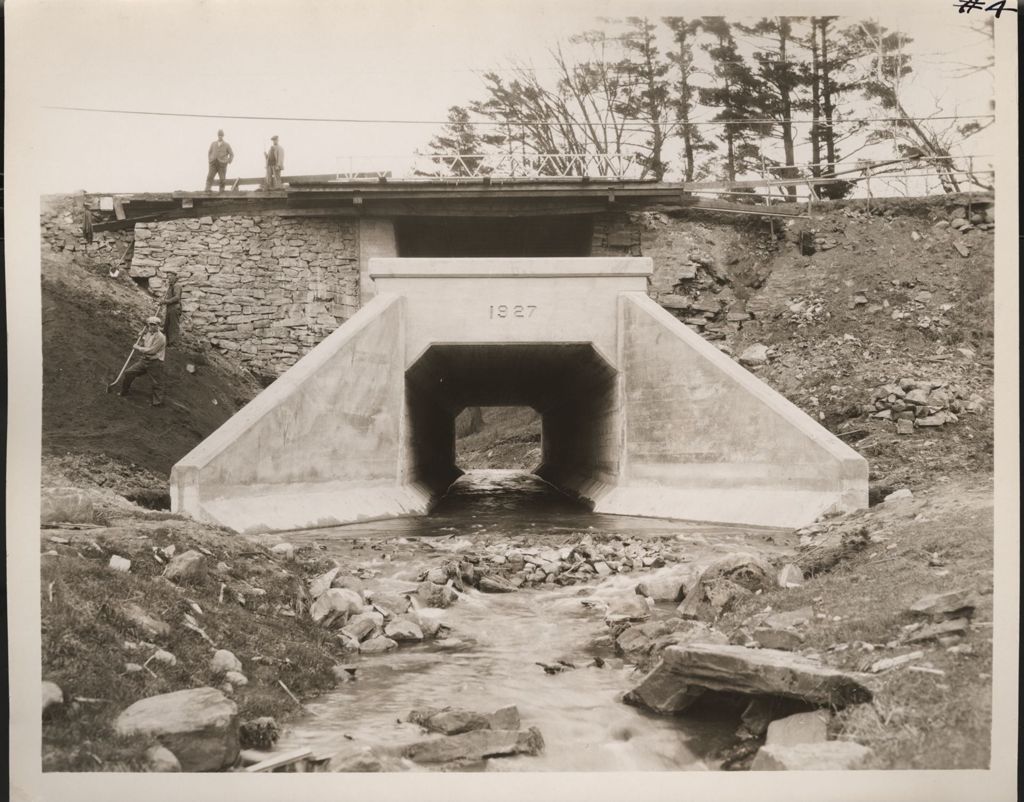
510 300
318 447
707 440
641 416
266 289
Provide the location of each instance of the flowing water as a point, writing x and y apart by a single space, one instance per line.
490 659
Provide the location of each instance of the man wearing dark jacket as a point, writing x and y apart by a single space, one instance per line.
220 156
172 308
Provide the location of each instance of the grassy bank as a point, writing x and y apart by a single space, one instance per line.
92 630
935 711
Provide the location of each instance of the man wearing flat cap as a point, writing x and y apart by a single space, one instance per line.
275 164
149 359
220 156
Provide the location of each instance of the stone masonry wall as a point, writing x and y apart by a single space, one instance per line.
695 264
60 228
265 289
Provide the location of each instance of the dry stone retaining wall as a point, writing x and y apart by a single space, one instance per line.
60 227
266 289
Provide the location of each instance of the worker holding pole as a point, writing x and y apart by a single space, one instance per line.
148 353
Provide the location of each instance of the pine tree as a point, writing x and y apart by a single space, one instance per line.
735 94
783 75
645 70
684 34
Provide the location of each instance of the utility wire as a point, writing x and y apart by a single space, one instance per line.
511 120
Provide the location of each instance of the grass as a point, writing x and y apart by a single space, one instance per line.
917 720
86 636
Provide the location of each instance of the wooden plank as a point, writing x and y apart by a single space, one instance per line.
179 214
279 761
386 208
439 193
118 209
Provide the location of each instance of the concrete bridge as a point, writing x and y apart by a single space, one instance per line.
640 415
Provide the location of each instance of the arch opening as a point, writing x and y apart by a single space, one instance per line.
572 387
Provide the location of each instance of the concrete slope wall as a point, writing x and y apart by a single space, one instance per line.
318 447
707 440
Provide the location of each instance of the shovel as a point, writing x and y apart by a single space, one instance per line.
113 384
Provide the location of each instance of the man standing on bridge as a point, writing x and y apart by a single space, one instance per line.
220 156
151 350
275 164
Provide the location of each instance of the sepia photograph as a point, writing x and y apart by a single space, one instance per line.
585 400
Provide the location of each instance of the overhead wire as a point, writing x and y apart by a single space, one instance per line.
568 123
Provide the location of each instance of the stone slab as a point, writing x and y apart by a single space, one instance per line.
763 672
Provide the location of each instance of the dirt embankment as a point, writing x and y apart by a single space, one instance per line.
90 321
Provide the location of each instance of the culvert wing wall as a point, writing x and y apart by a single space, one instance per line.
641 416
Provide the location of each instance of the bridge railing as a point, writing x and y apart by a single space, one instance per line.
498 165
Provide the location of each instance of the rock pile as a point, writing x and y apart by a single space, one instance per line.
501 568
371 621
916 403
471 736
723 582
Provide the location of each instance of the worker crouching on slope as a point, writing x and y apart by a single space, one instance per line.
151 350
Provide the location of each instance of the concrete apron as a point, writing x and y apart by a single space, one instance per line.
640 415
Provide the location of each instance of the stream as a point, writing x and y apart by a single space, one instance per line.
490 658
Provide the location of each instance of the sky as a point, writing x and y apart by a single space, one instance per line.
311 58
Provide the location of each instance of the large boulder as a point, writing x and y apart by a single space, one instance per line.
627 609
951 604
455 720
224 661
404 629
356 758
828 756
728 578
799 728
390 604
737 669
66 505
340 601
432 594
360 627
148 625
495 584
756 354
161 759
187 567
199 725
668 584
53 697
449 720
319 585
477 745
377 645
662 692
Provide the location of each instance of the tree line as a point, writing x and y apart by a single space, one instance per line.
706 98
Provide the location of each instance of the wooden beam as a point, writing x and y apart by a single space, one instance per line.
281 760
